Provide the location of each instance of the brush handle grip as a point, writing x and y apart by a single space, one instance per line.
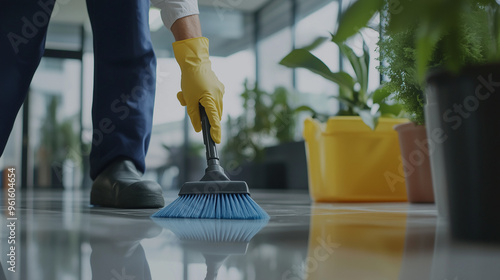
207 138
214 171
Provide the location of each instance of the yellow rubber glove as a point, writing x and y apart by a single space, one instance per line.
199 84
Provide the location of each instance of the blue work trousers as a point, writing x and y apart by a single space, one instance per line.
124 73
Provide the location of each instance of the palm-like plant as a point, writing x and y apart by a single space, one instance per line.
353 90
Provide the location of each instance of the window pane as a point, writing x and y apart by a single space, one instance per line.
54 157
232 71
314 88
271 50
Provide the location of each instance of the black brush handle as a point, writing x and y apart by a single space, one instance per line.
214 171
207 138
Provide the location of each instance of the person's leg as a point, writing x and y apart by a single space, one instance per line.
23 27
124 82
122 110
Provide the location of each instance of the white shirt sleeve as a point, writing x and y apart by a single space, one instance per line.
172 10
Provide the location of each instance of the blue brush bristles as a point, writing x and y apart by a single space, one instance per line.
213 206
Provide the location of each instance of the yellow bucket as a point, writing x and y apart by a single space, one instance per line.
347 161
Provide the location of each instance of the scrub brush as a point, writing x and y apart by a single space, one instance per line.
214 196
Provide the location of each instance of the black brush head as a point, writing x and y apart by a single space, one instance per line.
215 187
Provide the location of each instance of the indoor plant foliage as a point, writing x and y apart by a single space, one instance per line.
466 26
398 58
261 147
462 100
267 119
353 90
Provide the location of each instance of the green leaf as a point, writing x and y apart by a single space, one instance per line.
404 14
359 64
348 102
371 120
356 17
487 2
315 115
380 94
301 58
305 108
346 93
496 31
279 96
386 109
316 43
427 37
366 56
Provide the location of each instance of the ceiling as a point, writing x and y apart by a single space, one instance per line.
239 5
75 11
223 22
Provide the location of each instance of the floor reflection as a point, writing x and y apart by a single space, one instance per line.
419 245
456 260
60 237
117 252
355 244
216 240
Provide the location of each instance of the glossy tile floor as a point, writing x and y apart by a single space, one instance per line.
60 237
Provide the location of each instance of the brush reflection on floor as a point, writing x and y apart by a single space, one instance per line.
59 236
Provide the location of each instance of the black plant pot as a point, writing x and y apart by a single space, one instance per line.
284 167
469 106
287 165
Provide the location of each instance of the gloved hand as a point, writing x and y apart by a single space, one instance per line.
199 84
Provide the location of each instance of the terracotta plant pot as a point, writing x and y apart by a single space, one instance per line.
416 164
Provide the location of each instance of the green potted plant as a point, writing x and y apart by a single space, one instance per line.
461 99
398 57
352 156
267 119
261 146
